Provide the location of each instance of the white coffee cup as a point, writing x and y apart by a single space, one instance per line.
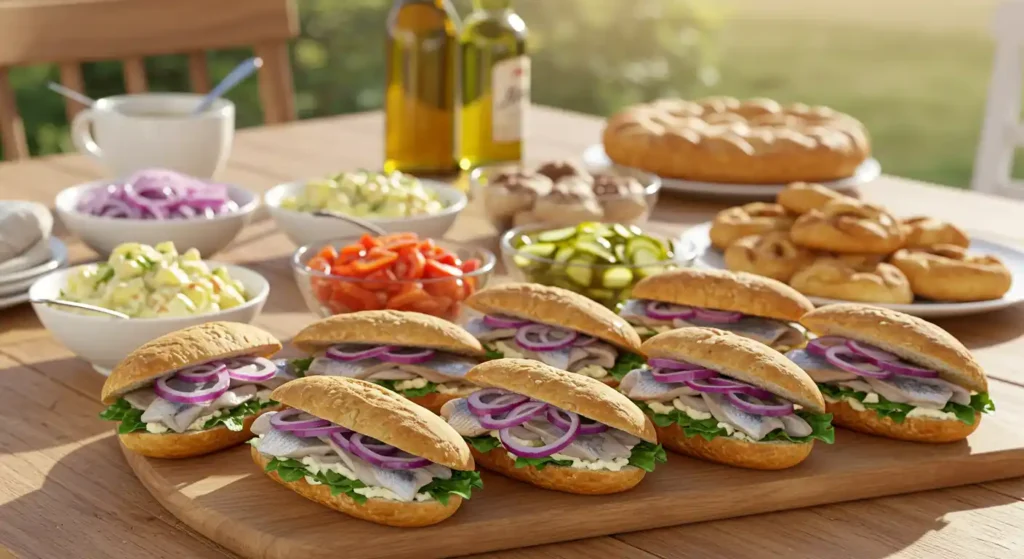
156 130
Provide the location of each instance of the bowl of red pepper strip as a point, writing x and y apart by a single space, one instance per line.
399 271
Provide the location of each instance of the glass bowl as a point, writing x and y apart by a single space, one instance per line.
328 294
608 284
481 176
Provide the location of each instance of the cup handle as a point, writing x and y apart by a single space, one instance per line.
82 137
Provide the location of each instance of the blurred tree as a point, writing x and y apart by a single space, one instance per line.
588 55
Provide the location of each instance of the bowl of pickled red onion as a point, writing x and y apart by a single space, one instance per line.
153 206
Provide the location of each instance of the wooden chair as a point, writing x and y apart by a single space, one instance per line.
69 32
1002 131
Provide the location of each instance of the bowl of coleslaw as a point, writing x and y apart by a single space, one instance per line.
396 203
160 290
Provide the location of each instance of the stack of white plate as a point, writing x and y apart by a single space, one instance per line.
20 272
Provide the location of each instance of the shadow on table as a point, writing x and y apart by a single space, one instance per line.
100 508
40 412
989 329
867 529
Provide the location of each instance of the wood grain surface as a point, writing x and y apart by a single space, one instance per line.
226 497
67 491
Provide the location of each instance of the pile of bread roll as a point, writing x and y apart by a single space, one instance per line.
826 244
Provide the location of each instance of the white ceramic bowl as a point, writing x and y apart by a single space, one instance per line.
103 234
304 228
105 341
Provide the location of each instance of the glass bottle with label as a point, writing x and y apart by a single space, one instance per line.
495 84
420 102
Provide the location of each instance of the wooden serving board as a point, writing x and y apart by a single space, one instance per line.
225 497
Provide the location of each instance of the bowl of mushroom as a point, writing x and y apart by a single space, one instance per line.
562 194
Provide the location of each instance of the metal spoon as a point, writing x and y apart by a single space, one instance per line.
82 306
242 71
71 94
375 229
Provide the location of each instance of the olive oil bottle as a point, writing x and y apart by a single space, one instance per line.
495 84
420 101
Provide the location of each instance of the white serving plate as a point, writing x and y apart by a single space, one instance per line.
58 257
871 169
13 300
304 228
708 257
104 341
21 286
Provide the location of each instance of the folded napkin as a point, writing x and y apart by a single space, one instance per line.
22 226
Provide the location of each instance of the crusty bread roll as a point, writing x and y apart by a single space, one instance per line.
772 255
848 225
380 511
579 394
923 232
912 338
558 478
569 391
801 197
190 443
184 348
729 140
916 429
387 327
740 358
949 273
178 350
747 361
853 279
724 290
734 452
556 307
732 224
377 412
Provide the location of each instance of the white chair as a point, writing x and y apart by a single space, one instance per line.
1003 132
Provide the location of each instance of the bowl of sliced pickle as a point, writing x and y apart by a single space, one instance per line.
600 260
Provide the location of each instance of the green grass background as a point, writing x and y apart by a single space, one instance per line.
915 71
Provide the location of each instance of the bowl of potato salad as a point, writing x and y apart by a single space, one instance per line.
394 202
160 289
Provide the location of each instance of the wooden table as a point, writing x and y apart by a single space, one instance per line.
66 491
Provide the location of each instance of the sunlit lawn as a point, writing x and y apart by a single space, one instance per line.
915 74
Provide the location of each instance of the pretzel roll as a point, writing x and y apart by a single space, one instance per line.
735 223
949 273
848 225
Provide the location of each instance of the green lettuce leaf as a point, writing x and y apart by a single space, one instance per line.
707 428
130 418
896 411
493 353
288 469
428 388
461 483
484 443
340 484
625 363
821 425
291 470
301 366
234 418
645 455
540 463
